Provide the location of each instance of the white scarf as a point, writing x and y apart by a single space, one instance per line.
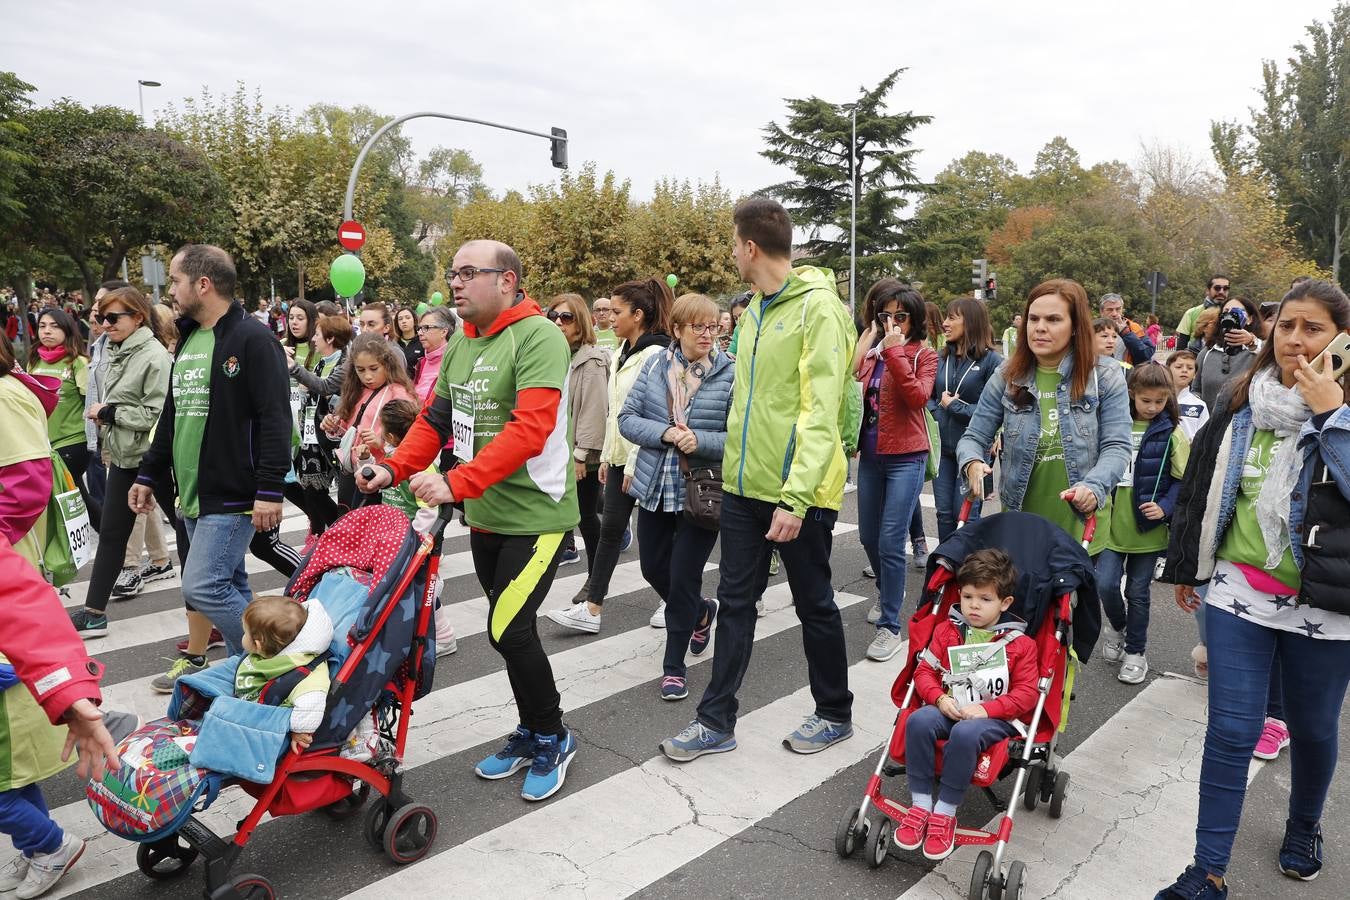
1281 410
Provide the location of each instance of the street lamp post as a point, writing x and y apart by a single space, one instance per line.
141 85
853 213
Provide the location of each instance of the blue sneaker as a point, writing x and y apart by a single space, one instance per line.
551 759
1193 885
1301 853
697 740
569 557
516 755
817 734
627 540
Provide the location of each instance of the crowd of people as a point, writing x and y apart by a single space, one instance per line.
1212 461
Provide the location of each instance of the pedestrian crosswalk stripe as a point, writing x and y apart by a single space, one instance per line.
659 815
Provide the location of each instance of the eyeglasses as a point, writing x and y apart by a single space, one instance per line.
112 317
557 315
1219 287
423 329
467 273
899 317
703 329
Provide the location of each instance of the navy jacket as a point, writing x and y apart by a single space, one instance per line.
966 379
1153 481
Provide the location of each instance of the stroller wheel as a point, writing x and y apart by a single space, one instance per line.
878 842
165 859
849 832
351 805
1031 791
377 818
979 878
1057 797
249 887
1012 884
410 834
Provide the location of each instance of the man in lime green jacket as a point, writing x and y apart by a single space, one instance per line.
783 475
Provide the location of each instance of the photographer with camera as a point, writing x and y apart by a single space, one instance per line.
1232 352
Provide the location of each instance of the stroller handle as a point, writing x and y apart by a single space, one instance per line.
1089 524
444 513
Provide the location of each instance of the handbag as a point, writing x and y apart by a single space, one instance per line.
1326 545
64 546
930 466
702 494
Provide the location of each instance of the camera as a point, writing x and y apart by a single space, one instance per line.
1231 320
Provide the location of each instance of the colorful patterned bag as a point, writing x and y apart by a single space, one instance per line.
155 789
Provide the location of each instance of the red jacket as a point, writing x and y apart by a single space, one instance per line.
37 638
1020 698
906 386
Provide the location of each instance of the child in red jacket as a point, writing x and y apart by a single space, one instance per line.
977 677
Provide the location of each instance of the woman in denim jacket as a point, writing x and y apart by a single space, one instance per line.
1244 524
1054 377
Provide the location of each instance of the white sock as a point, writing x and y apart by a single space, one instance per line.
923 801
945 809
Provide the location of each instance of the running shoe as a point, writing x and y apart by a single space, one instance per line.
1274 738
1113 644
817 734
46 869
697 740
215 640
760 609
1193 884
698 641
516 755
1301 852
183 665
569 557
939 839
151 571
128 583
552 756
627 540
874 614
658 619
13 873
920 550
673 687
868 572
89 624
886 644
1133 669
577 618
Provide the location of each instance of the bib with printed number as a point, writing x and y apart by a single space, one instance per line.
76 519
979 672
462 421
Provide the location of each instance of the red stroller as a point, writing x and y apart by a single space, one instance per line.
1055 584
383 575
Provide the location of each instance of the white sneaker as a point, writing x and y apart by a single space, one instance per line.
46 869
12 875
760 610
445 648
874 614
886 644
658 619
850 487
1134 669
868 573
577 618
1113 644
446 643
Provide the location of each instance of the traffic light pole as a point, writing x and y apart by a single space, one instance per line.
558 137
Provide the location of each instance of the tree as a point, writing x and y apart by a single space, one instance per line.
1302 137
816 143
101 185
445 180
15 256
685 231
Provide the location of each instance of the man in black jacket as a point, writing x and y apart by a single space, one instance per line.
226 432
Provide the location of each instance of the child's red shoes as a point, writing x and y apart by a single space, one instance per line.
909 833
940 839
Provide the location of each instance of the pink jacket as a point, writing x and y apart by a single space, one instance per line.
370 417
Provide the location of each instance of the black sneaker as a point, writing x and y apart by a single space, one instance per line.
89 624
128 583
1301 853
156 571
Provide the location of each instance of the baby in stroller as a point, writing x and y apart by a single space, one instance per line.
977 677
287 645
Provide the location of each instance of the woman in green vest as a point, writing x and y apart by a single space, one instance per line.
59 353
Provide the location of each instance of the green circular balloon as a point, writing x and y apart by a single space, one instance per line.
437 298
672 280
347 275
422 308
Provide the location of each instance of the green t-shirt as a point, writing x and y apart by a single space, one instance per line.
191 387
1187 323
607 339
1243 542
1117 528
1049 477
1009 341
540 497
65 426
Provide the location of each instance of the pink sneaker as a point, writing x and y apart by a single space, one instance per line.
1274 738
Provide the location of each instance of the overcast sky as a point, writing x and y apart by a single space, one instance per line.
683 88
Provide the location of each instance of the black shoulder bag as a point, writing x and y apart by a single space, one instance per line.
702 485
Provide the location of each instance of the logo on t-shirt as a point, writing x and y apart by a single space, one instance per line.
231 366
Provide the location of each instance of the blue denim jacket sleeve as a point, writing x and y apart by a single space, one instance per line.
1114 423
986 421
1333 443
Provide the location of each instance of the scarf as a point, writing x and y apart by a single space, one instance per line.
255 671
1281 410
51 354
684 379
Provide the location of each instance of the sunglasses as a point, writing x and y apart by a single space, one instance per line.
555 315
112 317
1220 287
898 317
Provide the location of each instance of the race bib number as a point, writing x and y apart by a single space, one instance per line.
76 519
979 672
309 432
461 421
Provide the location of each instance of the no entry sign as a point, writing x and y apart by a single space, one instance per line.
351 234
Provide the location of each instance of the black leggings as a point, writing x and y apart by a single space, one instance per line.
589 502
118 520
618 507
76 458
516 572
317 505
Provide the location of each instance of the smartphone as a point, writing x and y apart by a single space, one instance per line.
1339 348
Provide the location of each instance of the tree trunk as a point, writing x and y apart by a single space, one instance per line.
300 276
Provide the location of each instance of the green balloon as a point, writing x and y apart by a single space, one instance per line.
422 308
672 280
437 298
347 275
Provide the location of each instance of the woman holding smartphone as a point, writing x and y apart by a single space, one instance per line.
1261 517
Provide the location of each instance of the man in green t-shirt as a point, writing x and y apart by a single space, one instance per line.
502 396
1216 294
1010 336
603 316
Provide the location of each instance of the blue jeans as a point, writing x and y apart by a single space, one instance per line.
888 492
1314 671
966 740
1275 694
24 817
1131 621
948 497
215 583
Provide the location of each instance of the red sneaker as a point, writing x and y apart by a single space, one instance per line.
941 838
214 641
909 832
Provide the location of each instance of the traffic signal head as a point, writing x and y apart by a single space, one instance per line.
559 148
979 271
